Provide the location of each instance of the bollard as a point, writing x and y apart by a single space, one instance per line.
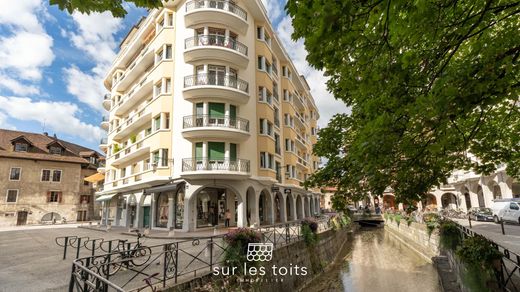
469 219
502 225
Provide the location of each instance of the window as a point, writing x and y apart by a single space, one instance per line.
266 127
277 144
54 197
15 173
157 123
167 85
276 116
156 157
46 175
164 157
12 196
169 17
56 176
167 120
262 126
157 89
288 120
260 33
266 160
158 56
313 131
21 147
168 52
148 131
261 63
123 172
275 91
275 66
289 145
84 199
55 150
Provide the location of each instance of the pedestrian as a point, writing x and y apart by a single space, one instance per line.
228 217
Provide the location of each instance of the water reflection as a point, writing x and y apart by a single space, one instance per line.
377 261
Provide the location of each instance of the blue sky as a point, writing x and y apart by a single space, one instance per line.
52 65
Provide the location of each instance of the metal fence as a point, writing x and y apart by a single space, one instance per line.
129 267
509 267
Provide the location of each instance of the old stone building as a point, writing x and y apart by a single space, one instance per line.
42 179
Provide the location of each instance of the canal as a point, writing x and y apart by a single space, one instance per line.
377 261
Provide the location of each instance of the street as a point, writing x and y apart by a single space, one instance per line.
493 231
31 260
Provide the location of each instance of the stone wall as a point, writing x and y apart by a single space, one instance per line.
416 237
314 259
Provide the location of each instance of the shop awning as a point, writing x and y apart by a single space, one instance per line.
95 177
104 197
164 188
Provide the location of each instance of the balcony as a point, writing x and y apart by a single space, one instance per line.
222 12
130 152
204 85
101 167
134 95
137 120
225 127
103 144
104 123
136 69
204 168
107 101
215 47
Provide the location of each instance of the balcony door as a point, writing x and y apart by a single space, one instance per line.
199 114
216 75
216 114
232 116
216 152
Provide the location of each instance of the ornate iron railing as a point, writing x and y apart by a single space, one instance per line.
203 79
509 266
206 164
215 121
217 4
126 266
217 41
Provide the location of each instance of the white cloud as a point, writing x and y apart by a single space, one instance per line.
58 116
17 87
27 49
86 86
274 8
95 37
326 103
25 54
4 124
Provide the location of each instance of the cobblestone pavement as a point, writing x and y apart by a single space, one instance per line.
31 260
493 231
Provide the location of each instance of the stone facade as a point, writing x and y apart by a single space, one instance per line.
416 237
27 199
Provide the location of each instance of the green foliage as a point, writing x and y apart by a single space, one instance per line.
476 279
133 138
310 238
409 220
450 236
478 251
432 221
117 148
116 7
397 218
237 241
427 82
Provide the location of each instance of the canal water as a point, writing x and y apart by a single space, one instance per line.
377 261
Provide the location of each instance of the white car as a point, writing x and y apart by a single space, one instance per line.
507 210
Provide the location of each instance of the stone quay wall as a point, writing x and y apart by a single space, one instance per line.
416 237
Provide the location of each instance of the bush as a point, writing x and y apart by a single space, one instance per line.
450 236
409 219
310 237
432 221
397 218
312 223
478 251
238 240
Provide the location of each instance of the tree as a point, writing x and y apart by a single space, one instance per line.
114 6
433 86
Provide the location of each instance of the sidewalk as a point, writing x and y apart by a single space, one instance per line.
159 234
38 226
493 231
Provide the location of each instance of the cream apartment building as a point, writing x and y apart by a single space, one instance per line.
206 115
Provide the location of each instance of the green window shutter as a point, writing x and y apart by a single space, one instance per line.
232 152
216 150
232 112
216 110
198 150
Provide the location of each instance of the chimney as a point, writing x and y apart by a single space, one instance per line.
55 137
46 134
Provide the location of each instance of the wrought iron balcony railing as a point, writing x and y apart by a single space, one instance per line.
217 4
206 164
217 41
202 79
215 121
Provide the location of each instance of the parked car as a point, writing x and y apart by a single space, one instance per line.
507 210
481 214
